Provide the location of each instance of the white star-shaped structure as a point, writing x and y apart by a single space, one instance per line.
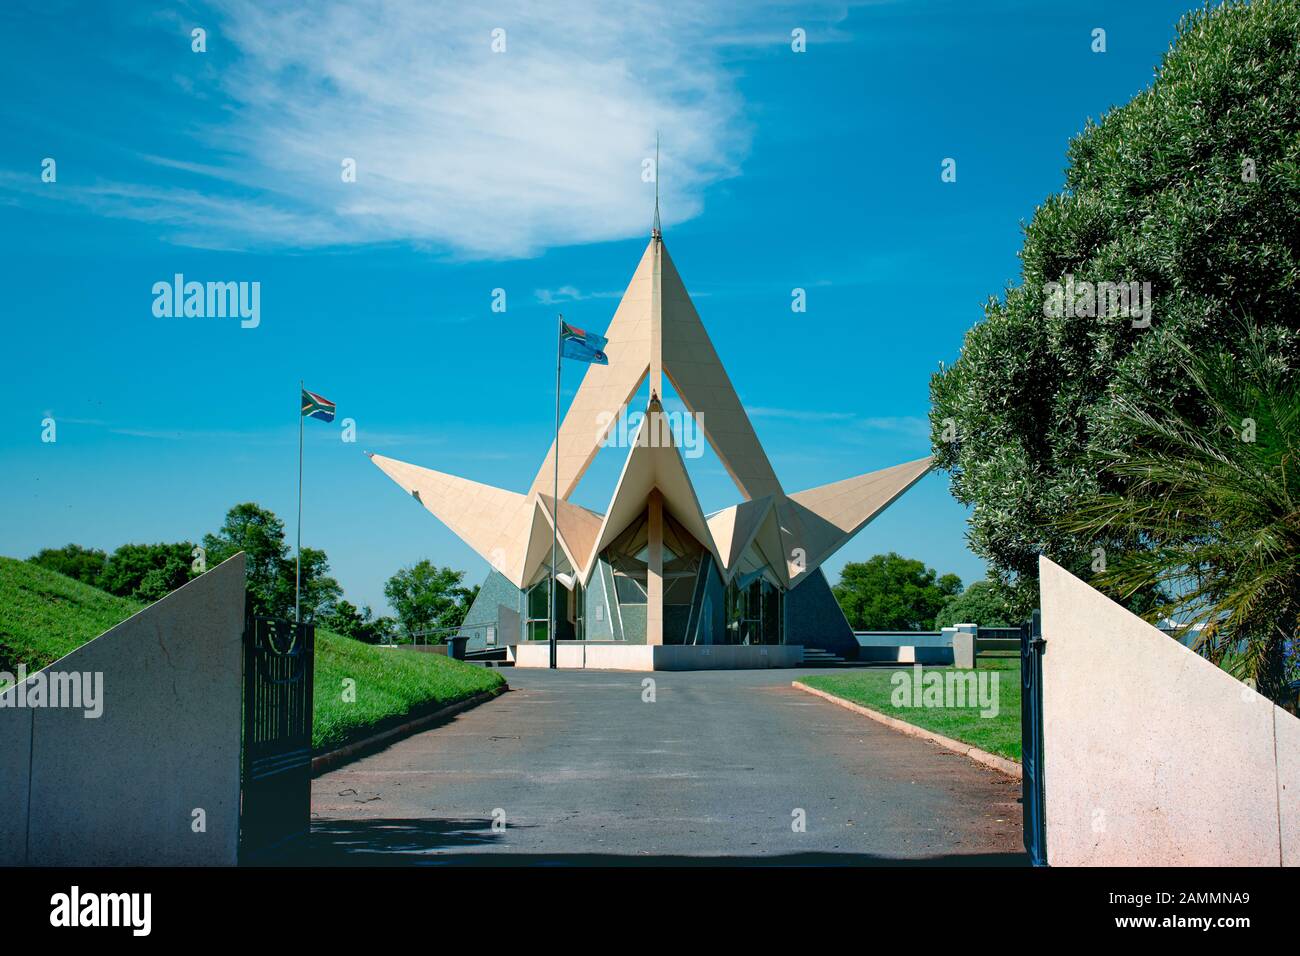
656 332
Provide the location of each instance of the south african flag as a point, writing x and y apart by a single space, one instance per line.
317 406
581 345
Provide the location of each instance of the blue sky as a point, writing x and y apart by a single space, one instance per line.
518 170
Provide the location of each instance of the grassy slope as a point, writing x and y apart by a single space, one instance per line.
390 684
999 735
44 615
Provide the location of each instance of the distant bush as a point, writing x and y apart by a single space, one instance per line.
981 603
74 561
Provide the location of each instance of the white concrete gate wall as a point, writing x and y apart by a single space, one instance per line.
1153 756
121 789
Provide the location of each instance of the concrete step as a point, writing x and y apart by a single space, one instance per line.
819 656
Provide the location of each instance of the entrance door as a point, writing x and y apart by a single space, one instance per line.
538 603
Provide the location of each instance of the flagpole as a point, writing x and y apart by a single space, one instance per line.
555 500
297 586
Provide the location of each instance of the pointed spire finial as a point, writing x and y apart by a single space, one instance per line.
656 232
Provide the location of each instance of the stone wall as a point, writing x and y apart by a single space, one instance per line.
123 788
813 618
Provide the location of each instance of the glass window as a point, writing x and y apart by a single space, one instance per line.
682 556
539 600
629 588
538 627
754 611
577 605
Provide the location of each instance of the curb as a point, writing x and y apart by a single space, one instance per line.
359 748
1000 764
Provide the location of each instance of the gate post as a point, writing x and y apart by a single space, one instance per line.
1033 790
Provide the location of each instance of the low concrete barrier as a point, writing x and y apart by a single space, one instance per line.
905 647
1153 756
576 655
960 645
153 780
726 656
593 655
418 648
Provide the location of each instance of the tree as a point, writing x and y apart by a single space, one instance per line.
360 625
319 590
979 604
158 582
1212 489
426 596
147 572
83 564
893 593
260 535
270 569
1194 187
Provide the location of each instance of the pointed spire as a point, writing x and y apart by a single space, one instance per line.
656 232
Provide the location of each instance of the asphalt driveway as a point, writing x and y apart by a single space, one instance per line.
574 766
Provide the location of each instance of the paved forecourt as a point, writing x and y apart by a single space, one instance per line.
721 765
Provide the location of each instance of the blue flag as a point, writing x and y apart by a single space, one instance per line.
583 346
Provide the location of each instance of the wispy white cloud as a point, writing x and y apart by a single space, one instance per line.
458 148
498 154
568 293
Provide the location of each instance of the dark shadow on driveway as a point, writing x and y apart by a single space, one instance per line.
452 842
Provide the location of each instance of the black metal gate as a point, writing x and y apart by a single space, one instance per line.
279 658
1031 739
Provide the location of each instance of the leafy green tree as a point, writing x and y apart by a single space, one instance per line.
74 561
1194 186
380 629
1212 488
161 580
891 593
270 569
260 535
426 596
319 591
359 624
343 618
981 604
147 572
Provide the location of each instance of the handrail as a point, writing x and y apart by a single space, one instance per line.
439 635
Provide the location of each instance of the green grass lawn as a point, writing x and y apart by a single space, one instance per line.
874 687
44 615
391 684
